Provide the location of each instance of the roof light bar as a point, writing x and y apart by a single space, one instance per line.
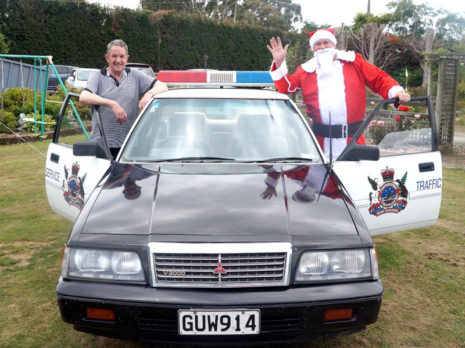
216 78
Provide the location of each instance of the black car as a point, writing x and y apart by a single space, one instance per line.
64 72
222 221
145 68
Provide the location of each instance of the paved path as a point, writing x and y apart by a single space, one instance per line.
459 137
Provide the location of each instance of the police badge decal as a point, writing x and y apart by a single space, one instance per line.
74 190
390 196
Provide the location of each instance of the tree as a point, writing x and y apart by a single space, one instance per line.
3 44
409 18
450 28
429 41
214 9
177 5
256 12
279 14
371 41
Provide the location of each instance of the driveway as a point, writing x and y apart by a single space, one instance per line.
459 135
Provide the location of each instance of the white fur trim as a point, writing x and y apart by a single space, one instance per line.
310 65
394 90
332 100
339 145
332 95
348 56
279 73
320 35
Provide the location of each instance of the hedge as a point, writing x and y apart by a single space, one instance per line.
77 34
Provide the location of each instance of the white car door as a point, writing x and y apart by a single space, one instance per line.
402 190
70 179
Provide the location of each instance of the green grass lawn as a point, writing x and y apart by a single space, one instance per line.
422 270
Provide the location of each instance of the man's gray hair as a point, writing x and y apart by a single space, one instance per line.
117 42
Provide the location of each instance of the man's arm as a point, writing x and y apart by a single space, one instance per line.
158 87
89 98
277 51
284 82
380 82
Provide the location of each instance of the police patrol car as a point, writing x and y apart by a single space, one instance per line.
222 220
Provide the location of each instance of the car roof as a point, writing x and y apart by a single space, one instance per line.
223 93
141 65
93 69
62 68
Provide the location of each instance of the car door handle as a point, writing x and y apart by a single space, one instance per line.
426 167
54 157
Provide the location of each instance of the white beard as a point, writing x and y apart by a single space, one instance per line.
325 60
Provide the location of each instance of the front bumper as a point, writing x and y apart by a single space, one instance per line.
287 314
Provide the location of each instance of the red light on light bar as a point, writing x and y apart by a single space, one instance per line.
168 76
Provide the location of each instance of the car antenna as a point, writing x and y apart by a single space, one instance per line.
330 167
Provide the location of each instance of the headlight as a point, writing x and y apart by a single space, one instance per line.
102 264
337 265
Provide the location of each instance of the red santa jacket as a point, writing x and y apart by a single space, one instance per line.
339 94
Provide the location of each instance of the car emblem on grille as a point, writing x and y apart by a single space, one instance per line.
219 269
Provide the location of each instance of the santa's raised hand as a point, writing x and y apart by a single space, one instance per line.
277 50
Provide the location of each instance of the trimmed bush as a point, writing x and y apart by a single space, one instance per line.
29 126
10 120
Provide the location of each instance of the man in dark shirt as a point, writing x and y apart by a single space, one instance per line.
120 92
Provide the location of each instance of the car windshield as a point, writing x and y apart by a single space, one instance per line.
83 75
220 130
146 71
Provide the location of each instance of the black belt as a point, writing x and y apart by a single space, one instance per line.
335 130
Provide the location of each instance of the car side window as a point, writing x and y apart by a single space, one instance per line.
403 131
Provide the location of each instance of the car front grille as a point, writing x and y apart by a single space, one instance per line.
220 265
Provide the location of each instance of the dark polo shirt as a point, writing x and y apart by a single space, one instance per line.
126 93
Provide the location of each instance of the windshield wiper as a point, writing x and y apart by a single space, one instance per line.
197 158
285 159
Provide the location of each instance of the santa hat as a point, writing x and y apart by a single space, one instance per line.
320 34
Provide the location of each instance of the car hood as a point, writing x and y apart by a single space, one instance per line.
219 202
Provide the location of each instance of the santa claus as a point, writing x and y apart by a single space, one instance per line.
333 88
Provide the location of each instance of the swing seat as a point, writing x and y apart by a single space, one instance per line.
28 119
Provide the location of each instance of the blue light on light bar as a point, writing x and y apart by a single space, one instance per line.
258 77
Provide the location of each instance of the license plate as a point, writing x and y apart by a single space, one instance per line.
214 322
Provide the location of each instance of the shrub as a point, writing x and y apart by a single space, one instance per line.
10 120
461 90
13 97
53 109
377 130
83 110
29 126
419 90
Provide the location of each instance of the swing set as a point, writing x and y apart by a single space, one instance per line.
41 68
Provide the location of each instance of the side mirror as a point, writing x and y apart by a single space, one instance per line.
361 152
89 148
